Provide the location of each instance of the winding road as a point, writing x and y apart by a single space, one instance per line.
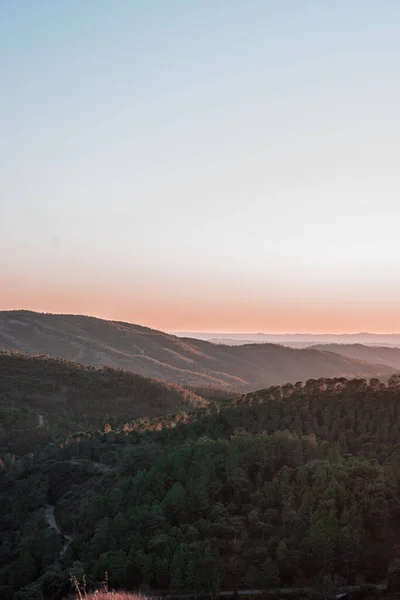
50 507
53 525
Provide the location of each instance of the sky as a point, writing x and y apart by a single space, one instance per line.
204 165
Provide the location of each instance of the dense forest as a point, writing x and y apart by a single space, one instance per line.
44 399
291 485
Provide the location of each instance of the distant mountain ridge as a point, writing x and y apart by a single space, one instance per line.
297 339
198 363
378 354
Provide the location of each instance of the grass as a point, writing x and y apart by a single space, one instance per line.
116 596
104 593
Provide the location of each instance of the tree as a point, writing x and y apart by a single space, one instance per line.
393 580
269 574
174 503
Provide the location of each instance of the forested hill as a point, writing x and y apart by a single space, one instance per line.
42 399
92 341
294 485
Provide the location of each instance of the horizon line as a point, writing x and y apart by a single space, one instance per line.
284 333
177 333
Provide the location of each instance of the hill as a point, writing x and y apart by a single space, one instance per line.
96 342
377 354
287 486
42 398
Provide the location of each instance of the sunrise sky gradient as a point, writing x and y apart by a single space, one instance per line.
205 165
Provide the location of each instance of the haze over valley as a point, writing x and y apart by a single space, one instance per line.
297 339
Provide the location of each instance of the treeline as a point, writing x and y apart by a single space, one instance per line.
283 486
361 417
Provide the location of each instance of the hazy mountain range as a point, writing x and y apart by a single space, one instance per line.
296 340
193 362
378 354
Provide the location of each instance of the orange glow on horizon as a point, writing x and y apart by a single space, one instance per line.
196 313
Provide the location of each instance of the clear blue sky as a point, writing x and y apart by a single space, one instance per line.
220 165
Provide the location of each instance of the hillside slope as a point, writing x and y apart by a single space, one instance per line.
41 397
376 354
260 492
92 341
